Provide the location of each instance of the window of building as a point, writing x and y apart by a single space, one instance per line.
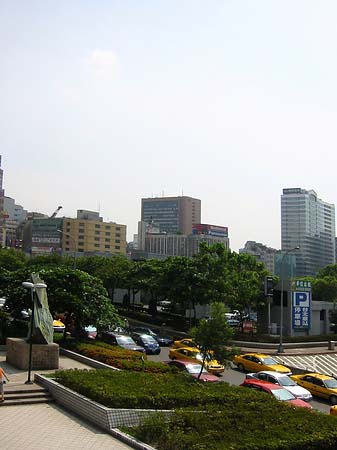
117 247
118 228
97 232
67 230
107 246
81 244
107 240
81 230
118 235
67 242
107 233
97 238
81 224
96 245
97 225
80 250
81 237
117 241
107 227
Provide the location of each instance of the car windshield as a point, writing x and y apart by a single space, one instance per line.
269 361
148 339
286 381
195 368
123 340
331 383
282 394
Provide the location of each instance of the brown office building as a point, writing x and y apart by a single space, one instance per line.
172 214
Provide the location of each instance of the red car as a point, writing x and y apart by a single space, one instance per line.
279 392
194 370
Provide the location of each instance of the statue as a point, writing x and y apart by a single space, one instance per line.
41 326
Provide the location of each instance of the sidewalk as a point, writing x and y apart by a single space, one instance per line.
48 426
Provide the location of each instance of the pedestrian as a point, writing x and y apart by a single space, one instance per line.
3 376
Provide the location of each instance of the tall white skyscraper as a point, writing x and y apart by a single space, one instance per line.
308 222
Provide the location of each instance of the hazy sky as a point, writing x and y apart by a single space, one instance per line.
103 102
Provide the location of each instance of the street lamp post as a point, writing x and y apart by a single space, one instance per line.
73 239
32 287
280 347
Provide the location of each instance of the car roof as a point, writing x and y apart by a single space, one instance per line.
184 362
259 355
273 372
320 376
262 383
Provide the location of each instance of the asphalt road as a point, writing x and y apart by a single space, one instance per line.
235 377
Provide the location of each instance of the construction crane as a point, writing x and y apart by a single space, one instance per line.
55 212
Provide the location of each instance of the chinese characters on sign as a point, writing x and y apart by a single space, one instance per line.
301 305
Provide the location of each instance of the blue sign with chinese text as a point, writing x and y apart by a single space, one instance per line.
301 310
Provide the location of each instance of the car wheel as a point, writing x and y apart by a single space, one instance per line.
240 367
333 399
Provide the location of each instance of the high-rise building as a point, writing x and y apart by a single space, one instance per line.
307 222
172 214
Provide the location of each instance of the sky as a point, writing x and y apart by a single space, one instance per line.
105 102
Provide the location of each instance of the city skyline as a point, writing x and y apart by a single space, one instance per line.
104 104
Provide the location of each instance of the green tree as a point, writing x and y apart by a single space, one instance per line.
112 271
212 335
79 297
12 259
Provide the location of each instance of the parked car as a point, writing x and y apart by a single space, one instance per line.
90 332
255 362
123 341
163 341
319 385
278 392
148 342
58 326
186 342
194 370
283 381
194 355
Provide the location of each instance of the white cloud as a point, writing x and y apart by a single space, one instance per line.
104 63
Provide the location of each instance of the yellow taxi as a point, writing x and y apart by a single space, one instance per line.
319 385
194 355
255 362
186 342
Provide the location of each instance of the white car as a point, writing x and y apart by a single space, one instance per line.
284 381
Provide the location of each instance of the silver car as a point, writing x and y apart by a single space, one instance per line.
284 381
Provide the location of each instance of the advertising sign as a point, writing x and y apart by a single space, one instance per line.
301 305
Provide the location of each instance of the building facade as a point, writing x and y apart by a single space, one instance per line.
172 214
307 222
262 253
88 235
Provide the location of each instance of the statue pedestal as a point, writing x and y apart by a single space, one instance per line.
44 356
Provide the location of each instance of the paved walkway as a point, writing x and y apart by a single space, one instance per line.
48 426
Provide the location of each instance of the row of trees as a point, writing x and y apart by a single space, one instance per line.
215 274
87 293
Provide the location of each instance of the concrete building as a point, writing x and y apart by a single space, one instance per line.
88 235
15 212
3 215
308 222
262 253
172 214
41 236
151 243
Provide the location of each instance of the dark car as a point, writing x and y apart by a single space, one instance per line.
163 341
122 340
148 343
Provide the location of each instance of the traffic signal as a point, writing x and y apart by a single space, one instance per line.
268 286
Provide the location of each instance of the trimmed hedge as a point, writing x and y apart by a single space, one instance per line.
213 416
116 356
